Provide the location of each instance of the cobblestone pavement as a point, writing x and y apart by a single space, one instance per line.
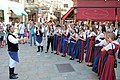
43 66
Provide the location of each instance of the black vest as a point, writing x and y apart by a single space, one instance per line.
11 46
40 33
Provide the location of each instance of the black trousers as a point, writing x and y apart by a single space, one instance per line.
50 41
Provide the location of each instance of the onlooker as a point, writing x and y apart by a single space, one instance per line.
21 30
1 34
32 34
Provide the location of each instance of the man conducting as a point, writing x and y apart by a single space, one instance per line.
13 52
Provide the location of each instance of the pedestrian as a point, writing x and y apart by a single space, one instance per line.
32 33
26 34
13 52
21 30
1 35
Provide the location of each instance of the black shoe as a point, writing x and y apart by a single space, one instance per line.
71 59
38 51
46 52
55 53
13 77
51 51
89 65
15 74
41 48
79 61
63 56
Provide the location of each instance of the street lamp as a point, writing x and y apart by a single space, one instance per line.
75 14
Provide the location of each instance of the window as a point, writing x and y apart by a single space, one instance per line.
30 1
15 0
1 15
65 5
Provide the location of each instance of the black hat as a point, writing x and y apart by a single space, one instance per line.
50 21
58 25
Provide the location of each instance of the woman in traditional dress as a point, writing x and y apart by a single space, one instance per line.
63 42
80 46
90 55
58 37
100 42
72 43
107 71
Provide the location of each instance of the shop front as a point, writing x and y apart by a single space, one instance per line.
94 11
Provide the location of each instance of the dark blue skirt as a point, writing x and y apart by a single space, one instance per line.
55 41
63 44
39 39
95 64
14 55
77 50
87 48
71 47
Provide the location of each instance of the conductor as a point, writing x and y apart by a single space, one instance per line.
13 51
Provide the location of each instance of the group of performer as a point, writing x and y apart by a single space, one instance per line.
97 46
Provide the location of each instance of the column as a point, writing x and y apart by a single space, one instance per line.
6 16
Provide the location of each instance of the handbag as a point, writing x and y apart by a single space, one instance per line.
115 60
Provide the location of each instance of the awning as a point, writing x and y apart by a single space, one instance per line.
3 8
118 13
18 11
96 14
69 14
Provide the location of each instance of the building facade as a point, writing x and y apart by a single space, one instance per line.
12 9
95 10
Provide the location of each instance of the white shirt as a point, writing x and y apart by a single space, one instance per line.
109 46
75 34
101 35
102 43
21 28
84 35
12 39
92 34
48 30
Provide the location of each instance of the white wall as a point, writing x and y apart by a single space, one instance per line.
8 4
